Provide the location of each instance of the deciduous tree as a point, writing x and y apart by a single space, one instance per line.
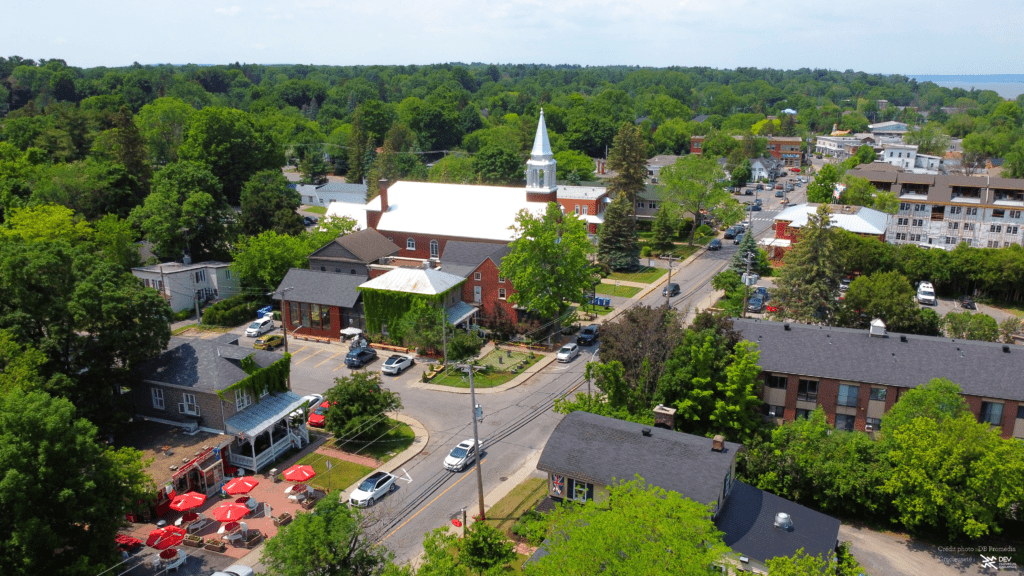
268 203
485 548
642 340
694 184
358 405
971 326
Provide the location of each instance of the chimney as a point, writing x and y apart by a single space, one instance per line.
784 521
664 417
718 443
382 186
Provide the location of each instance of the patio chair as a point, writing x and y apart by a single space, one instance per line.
198 525
177 562
251 504
236 539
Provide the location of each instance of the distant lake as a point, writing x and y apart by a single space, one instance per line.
1006 85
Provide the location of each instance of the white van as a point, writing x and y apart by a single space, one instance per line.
260 327
926 294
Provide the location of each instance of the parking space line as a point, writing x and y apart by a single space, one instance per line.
306 358
332 357
464 476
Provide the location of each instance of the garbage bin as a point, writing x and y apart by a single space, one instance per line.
273 475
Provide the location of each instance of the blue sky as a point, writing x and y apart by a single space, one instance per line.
913 37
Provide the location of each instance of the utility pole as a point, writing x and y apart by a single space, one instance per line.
476 440
444 343
284 326
668 287
195 296
746 286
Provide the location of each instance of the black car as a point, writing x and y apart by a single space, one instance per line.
780 193
671 290
360 357
754 208
588 335
749 192
757 202
715 244
739 238
760 186
967 303
755 304
309 220
730 233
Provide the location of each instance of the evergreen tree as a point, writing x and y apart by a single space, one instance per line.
628 157
617 244
808 283
747 246
664 228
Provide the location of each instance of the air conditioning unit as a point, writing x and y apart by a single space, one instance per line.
868 427
191 428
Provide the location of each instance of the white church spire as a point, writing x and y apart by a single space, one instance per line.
540 168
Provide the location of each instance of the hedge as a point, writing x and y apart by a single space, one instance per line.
231 312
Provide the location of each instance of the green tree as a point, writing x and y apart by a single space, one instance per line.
268 203
741 173
332 541
617 245
730 282
808 282
664 228
358 405
628 158
641 340
232 145
485 548
570 161
92 187
440 551
747 249
162 125
64 493
885 295
820 190
694 183
630 532
929 139
548 263
938 399
115 240
968 326
495 165
1014 164
801 564
453 169
1008 327
262 261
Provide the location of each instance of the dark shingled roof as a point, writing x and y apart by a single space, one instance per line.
206 365
365 246
748 521
325 288
462 258
980 368
598 449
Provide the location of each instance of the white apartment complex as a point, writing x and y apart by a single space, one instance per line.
906 156
943 211
180 284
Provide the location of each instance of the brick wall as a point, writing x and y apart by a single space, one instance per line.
422 249
489 290
696 145
294 328
570 204
210 405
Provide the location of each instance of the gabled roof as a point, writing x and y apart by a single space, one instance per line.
581 192
415 281
454 210
324 288
462 258
598 450
206 365
363 246
662 160
748 523
856 219
851 355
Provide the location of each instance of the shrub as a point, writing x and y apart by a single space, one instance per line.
703 231
184 314
231 312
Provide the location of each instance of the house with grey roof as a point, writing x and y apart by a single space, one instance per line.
325 194
320 304
353 253
586 453
191 385
181 284
857 375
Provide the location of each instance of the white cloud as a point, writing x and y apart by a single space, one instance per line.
233 11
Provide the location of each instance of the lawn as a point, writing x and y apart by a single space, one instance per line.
315 209
459 379
613 290
523 497
340 476
398 438
599 310
645 275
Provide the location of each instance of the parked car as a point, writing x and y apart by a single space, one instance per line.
567 352
780 193
754 208
778 186
740 227
396 364
715 244
760 186
311 400
318 418
757 202
268 342
749 192
259 327
730 233
462 455
926 294
738 239
796 170
755 304
309 220
360 357
672 289
375 487
235 570
588 335
967 303
844 284
784 201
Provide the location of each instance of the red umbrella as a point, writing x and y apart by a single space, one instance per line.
165 537
187 501
241 485
299 473
230 512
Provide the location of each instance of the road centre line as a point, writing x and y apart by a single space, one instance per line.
464 476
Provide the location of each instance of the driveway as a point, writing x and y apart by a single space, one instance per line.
886 553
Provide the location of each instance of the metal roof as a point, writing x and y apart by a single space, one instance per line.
859 220
414 281
261 415
581 192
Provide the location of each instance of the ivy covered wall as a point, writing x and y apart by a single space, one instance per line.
273 378
388 307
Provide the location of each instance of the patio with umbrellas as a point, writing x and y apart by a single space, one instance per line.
230 512
242 485
164 538
187 501
299 473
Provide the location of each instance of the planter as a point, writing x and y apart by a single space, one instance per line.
283 519
193 542
215 546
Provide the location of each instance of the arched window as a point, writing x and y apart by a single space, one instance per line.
410 244
433 249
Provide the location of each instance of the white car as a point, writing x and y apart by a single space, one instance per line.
235 570
462 455
926 293
568 352
396 364
312 401
259 327
375 487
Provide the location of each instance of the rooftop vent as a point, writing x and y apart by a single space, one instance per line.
645 431
1006 348
903 338
427 265
877 328
786 326
718 443
784 521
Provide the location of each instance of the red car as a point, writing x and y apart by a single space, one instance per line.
318 417
794 170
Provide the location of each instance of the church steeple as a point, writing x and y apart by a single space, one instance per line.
540 168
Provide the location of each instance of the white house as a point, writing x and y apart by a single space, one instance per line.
180 284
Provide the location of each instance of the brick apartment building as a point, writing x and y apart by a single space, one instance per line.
786 149
855 376
857 219
942 211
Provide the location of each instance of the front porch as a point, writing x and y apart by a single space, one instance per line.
263 432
